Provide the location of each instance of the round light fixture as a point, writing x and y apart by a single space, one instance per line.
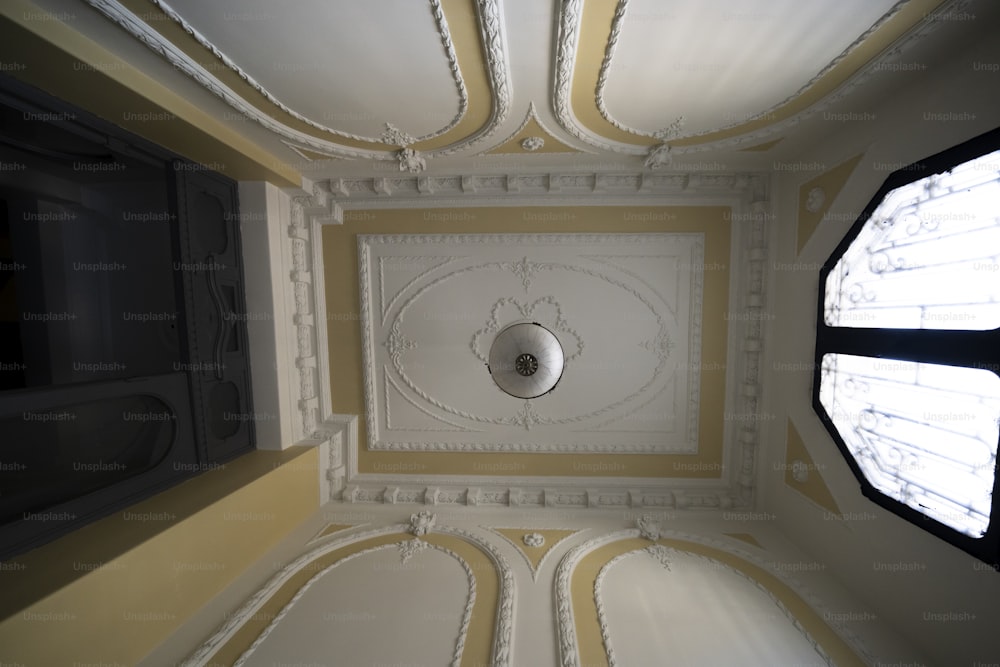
526 360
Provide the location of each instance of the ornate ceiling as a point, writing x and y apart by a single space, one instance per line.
652 118
344 88
625 308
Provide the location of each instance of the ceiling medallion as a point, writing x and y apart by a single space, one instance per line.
526 360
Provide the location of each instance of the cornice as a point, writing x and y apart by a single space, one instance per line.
539 189
327 203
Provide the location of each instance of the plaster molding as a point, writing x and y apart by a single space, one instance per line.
398 343
394 136
534 540
303 263
568 654
567 42
495 47
562 493
531 115
526 311
397 390
505 599
525 189
502 635
411 161
466 615
602 619
566 54
532 144
602 79
745 192
661 554
421 523
524 556
410 548
564 611
493 39
649 527
201 655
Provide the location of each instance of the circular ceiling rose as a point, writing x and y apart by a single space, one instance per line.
526 360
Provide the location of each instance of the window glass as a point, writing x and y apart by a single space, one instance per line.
923 434
927 258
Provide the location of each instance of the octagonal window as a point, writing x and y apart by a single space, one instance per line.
908 347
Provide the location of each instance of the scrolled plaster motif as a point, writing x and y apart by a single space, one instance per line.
528 310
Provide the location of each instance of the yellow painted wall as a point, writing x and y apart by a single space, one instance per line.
111 591
50 55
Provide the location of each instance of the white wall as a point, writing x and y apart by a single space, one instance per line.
263 218
943 601
375 609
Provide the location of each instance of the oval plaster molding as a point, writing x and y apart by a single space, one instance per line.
398 344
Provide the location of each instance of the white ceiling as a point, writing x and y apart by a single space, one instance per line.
337 88
625 308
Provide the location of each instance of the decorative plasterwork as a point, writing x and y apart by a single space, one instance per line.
531 135
505 602
531 543
628 390
421 523
338 434
410 548
541 189
662 555
567 628
817 195
533 540
649 527
532 143
493 41
805 476
761 126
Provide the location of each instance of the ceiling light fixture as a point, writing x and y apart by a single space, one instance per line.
526 360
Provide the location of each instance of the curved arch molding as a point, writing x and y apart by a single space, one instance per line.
589 33
581 632
471 32
486 629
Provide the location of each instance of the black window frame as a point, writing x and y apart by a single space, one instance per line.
962 348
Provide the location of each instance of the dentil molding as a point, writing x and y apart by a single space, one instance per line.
329 202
